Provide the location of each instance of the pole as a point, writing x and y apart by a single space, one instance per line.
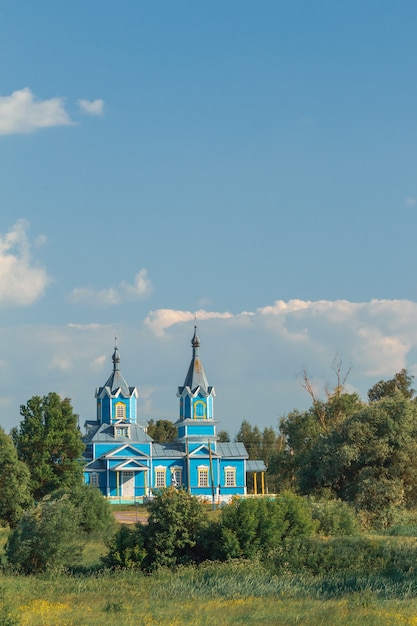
211 476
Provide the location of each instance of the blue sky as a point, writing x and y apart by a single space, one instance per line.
253 162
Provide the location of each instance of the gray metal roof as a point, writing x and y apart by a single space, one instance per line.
96 464
255 466
116 380
232 449
106 433
167 450
196 376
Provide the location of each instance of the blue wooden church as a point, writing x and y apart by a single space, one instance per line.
127 465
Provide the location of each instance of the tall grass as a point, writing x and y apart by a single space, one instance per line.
343 581
214 593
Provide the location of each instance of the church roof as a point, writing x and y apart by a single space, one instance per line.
196 377
255 466
167 450
116 382
106 433
232 449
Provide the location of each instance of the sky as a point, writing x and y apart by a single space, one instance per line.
252 163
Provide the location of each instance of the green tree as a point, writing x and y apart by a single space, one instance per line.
223 436
94 511
46 537
401 383
269 444
175 519
126 548
250 526
162 431
370 460
302 433
252 439
14 483
48 440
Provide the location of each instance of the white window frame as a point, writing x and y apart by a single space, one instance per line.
160 477
230 476
203 476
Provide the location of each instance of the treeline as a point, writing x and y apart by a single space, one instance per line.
43 498
363 453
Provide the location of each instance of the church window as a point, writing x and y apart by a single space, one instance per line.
199 409
230 477
121 431
120 411
203 477
160 477
176 478
94 482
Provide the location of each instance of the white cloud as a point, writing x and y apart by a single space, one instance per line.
91 107
253 358
410 201
100 360
21 280
21 112
101 297
162 319
85 326
140 289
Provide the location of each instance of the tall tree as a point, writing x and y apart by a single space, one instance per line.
252 439
14 483
401 383
161 431
223 436
48 440
370 460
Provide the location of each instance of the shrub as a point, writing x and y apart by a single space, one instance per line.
46 537
94 511
126 548
334 517
248 526
175 519
341 555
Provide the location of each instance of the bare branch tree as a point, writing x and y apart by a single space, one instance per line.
318 406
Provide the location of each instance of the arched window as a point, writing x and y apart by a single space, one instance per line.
120 411
199 409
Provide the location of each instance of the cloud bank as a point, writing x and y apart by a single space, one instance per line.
111 296
91 107
22 281
23 113
253 358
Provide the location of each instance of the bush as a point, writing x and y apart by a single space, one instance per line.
126 548
175 519
341 555
335 518
248 526
169 539
46 537
94 511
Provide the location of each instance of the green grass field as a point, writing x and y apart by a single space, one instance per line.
228 593
237 592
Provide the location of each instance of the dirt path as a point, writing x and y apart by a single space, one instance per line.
130 517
